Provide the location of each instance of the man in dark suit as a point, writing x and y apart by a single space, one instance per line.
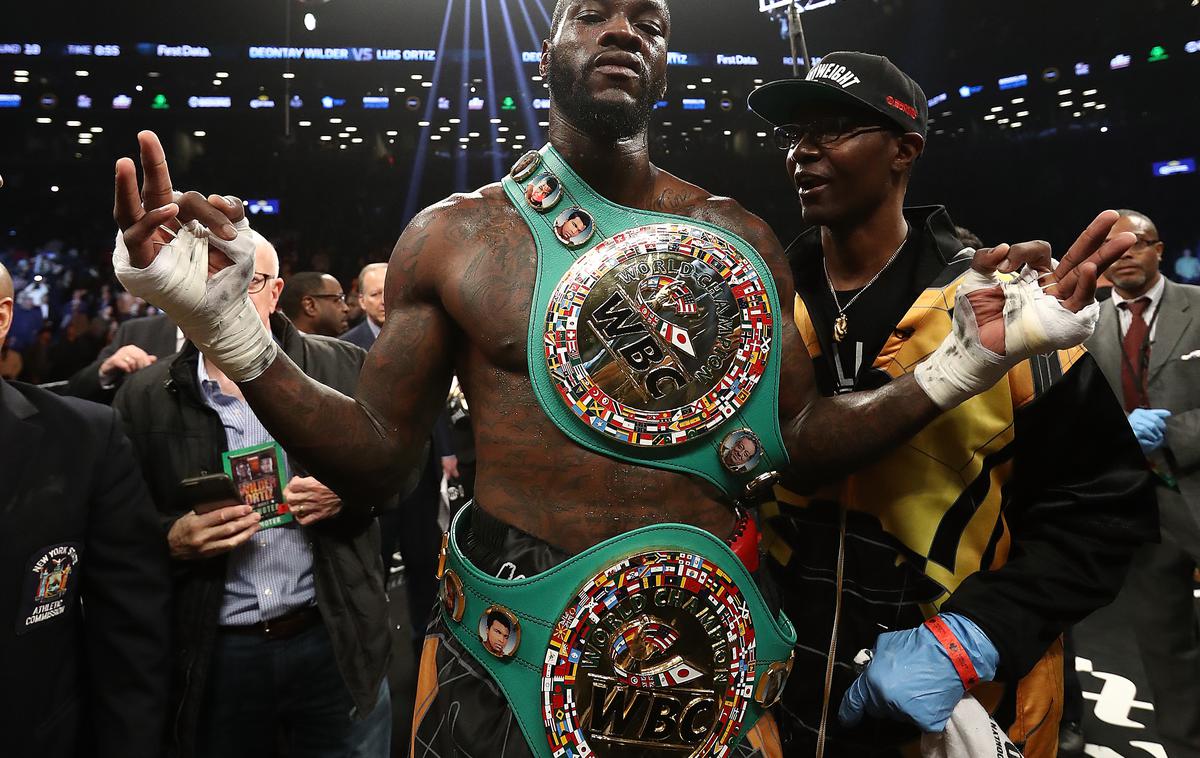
370 295
1147 343
77 528
138 343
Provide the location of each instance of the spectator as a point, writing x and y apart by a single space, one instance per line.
80 533
1138 343
11 363
138 343
315 304
284 627
75 348
370 284
27 321
1187 268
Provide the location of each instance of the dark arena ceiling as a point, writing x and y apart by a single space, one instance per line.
1041 111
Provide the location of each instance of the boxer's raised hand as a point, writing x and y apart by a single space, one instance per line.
193 257
139 215
1044 307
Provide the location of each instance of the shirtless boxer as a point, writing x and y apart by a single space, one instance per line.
599 430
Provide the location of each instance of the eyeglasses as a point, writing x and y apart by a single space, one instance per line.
824 132
340 296
1143 242
258 281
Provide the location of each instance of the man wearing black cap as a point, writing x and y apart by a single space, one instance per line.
961 557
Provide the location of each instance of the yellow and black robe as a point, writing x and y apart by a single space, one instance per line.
1019 509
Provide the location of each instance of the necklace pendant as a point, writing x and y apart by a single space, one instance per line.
839 328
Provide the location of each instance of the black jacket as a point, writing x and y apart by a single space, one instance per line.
177 436
1065 500
78 533
154 334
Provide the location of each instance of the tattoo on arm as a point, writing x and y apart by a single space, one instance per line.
364 447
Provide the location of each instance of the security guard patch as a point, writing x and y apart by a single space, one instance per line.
51 585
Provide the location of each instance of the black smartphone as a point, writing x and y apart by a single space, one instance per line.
210 492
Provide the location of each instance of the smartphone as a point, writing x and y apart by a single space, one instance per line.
210 492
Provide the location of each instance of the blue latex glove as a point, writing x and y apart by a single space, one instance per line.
910 676
1149 426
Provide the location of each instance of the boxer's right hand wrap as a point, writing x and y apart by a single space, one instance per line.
1034 323
213 312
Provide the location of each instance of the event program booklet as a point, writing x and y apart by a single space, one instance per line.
259 474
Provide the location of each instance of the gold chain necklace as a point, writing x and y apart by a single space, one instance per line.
841 325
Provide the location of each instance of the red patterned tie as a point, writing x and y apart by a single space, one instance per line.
1137 356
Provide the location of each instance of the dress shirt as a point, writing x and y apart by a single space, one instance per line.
272 573
1154 296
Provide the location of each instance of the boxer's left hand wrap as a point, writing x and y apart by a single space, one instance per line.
1034 323
214 312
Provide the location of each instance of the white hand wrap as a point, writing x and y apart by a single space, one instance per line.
213 312
1034 323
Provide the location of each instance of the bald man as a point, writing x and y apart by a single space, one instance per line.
1147 343
79 529
284 625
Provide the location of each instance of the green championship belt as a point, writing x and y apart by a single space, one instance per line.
650 335
654 643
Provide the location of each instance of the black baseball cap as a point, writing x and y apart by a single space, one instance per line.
850 78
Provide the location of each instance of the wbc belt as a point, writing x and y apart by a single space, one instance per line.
653 643
651 336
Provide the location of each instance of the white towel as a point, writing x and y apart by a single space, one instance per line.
970 733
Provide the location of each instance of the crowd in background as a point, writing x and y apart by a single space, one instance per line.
69 304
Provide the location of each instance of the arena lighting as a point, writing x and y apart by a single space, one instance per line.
74 124
222 74
1178 166
1121 60
1157 53
766 6
305 123
938 99
310 22
81 73
1013 82
1082 69
45 120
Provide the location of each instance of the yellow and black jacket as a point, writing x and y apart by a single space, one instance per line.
1019 509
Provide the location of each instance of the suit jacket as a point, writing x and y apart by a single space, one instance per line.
176 435
78 530
361 335
1173 383
154 334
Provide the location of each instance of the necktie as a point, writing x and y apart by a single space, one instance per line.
1137 356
